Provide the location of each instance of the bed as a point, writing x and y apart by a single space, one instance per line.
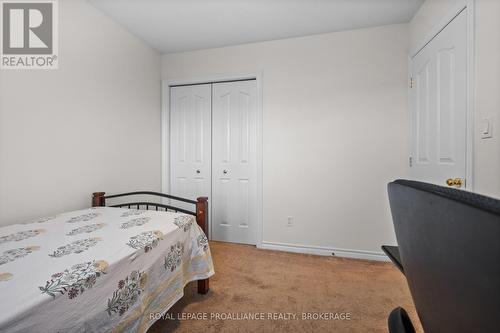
102 269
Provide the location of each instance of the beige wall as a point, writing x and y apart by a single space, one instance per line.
93 124
486 83
335 130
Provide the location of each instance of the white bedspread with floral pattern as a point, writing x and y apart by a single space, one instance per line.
97 270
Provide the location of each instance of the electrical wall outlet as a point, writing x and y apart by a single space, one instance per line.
289 221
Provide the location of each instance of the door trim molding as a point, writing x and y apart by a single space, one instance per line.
325 251
165 127
471 96
461 5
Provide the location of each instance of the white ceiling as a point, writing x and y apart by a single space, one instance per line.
184 25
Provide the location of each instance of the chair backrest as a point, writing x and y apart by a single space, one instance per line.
449 243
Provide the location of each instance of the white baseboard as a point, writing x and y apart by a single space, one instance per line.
325 251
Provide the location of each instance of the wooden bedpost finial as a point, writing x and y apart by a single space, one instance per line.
98 199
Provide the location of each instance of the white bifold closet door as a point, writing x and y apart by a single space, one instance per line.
234 167
190 138
213 149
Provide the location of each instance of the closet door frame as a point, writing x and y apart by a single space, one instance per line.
165 135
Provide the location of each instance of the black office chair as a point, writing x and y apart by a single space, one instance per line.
449 247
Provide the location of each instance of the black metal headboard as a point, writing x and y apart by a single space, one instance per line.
200 204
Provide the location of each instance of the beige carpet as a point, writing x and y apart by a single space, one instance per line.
249 281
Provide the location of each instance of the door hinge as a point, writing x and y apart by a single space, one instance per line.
410 161
411 82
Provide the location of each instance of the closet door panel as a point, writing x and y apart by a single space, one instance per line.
190 141
234 169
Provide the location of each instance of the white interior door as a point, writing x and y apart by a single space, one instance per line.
190 141
439 106
234 167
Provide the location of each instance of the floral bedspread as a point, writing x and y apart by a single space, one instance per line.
98 270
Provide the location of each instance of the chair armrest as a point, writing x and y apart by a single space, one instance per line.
393 253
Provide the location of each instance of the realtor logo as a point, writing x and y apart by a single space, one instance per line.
29 34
